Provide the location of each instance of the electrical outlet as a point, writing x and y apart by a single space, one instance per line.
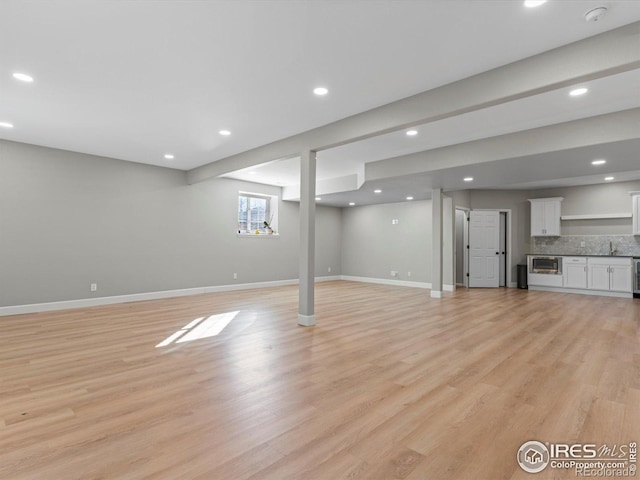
394 273
394 221
583 244
94 287
235 276
329 269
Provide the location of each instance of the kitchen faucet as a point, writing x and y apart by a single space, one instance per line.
612 251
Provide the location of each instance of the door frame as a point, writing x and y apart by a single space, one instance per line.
508 277
465 248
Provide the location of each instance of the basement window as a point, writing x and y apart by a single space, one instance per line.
257 214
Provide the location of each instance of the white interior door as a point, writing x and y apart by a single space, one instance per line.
484 248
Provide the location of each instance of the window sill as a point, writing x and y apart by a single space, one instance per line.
260 235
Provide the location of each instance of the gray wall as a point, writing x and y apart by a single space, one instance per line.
372 246
68 220
595 199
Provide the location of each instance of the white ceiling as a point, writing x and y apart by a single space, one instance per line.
136 80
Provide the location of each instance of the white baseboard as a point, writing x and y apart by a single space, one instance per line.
397 283
137 297
600 293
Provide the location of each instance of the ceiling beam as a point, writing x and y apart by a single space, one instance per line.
609 128
609 53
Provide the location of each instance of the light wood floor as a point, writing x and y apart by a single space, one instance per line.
390 384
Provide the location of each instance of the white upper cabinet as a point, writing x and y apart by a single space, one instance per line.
636 212
545 217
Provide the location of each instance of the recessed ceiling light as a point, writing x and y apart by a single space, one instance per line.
320 91
23 77
412 133
168 156
598 162
318 199
6 125
608 179
377 191
468 179
226 133
534 3
409 198
253 172
578 91
351 204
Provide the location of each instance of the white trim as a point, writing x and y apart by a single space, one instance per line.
436 294
259 235
385 281
306 320
601 293
138 297
596 216
396 283
513 285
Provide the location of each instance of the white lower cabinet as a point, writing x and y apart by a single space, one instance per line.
544 280
610 274
575 272
620 279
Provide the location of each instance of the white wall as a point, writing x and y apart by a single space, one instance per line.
68 220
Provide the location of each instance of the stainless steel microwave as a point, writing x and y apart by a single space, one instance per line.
545 264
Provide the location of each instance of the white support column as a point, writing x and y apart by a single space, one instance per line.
306 312
436 260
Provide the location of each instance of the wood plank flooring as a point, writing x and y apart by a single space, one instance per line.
390 384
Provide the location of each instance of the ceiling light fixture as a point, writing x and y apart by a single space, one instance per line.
598 162
226 133
608 179
23 77
412 133
351 204
253 172
318 199
377 191
168 156
6 125
578 91
409 198
534 3
468 179
320 91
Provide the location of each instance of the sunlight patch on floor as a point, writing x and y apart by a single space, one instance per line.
200 328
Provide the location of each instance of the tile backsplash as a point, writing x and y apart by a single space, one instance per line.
626 245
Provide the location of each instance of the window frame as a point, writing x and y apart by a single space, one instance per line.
271 215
